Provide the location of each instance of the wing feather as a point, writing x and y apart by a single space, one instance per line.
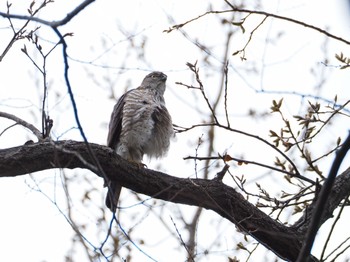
162 131
115 124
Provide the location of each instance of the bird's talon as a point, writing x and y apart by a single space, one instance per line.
138 164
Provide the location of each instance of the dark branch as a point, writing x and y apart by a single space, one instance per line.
322 200
234 9
283 240
210 194
58 23
295 169
21 122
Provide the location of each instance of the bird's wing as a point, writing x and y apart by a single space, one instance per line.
162 119
162 131
115 124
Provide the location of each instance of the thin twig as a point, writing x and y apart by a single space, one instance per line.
341 251
24 50
21 122
19 34
200 141
234 9
70 217
178 26
253 163
325 122
292 20
330 233
195 70
225 96
66 217
223 74
182 241
7 128
184 129
75 109
302 95
131 241
250 38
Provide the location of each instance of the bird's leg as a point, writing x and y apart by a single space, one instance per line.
138 164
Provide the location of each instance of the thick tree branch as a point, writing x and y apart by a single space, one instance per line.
322 200
284 241
339 192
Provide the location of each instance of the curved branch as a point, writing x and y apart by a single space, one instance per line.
266 14
322 200
292 20
284 241
210 194
21 122
339 192
296 174
58 23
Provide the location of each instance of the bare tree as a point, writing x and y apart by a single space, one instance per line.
285 222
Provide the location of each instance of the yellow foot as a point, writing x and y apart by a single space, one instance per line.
138 164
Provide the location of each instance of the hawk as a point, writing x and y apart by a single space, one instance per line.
140 124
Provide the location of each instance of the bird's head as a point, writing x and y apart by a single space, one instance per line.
155 80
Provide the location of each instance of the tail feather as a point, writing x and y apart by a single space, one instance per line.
113 195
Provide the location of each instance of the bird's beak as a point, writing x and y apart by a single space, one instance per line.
164 77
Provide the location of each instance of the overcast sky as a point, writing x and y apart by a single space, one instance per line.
32 228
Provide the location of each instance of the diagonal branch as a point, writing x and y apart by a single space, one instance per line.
284 241
322 200
292 20
58 23
263 13
210 194
21 122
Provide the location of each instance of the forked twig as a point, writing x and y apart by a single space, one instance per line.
24 123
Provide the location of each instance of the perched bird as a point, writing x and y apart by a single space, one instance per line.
140 124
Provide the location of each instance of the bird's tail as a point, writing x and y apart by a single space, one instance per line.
113 195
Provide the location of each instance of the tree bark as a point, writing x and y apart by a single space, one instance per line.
284 241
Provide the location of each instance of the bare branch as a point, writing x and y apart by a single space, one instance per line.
178 26
20 34
195 70
21 122
71 95
72 14
322 200
210 194
225 96
190 258
249 40
220 175
235 9
292 20
244 161
330 233
295 169
58 23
